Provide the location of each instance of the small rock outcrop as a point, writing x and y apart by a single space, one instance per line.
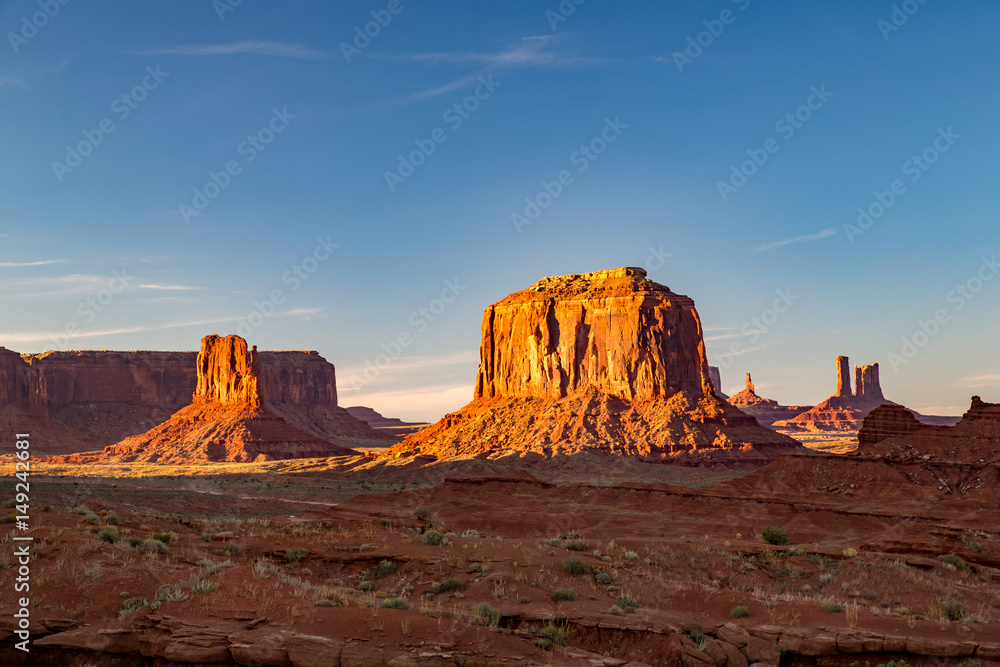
765 410
748 397
606 361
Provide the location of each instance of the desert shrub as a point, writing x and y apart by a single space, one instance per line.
850 552
385 568
626 602
385 522
112 520
603 579
524 599
107 533
489 615
295 555
631 555
774 535
7 504
470 533
564 595
166 538
234 550
47 508
739 612
697 636
170 593
433 538
204 586
831 607
92 519
575 566
955 561
954 611
578 545
151 545
134 542
422 514
555 634
395 603
206 537
9 518
542 643
572 535
482 568
615 610
131 606
450 584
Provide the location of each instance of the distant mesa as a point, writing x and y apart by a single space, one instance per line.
249 406
749 397
604 361
716 379
390 425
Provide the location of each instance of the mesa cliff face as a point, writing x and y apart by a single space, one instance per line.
845 410
604 361
611 331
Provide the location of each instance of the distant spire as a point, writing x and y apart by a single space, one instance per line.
749 386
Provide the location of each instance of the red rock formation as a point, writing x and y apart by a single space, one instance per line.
716 379
239 412
842 412
605 360
843 377
764 410
748 397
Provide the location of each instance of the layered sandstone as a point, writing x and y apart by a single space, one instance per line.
250 406
748 397
606 360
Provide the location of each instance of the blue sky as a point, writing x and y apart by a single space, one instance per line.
258 104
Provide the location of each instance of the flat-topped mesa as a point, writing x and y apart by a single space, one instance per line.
613 331
866 383
843 377
606 362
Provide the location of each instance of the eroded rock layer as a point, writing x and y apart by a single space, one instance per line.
606 360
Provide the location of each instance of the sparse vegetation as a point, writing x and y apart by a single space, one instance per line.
774 535
832 607
626 602
488 614
433 538
422 514
955 561
450 584
395 603
739 612
578 545
385 568
575 566
564 595
295 556
554 634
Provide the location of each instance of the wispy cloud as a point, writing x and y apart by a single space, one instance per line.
157 286
978 381
11 81
529 52
253 48
38 263
76 283
798 239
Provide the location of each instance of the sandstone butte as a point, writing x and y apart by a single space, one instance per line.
765 410
249 406
604 361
